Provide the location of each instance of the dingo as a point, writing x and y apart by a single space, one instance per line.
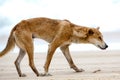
59 33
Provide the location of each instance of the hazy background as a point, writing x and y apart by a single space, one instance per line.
92 13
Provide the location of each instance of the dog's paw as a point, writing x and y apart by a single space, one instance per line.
80 70
45 74
22 75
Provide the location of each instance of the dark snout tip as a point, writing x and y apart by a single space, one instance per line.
106 46
103 48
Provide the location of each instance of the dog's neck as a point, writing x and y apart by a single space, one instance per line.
79 37
75 39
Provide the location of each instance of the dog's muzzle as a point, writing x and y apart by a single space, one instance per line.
103 47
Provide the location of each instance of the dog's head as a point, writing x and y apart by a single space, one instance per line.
95 37
91 35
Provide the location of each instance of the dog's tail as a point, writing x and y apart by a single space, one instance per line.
10 45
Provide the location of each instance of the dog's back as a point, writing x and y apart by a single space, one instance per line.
44 28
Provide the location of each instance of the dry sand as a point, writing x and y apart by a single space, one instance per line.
106 65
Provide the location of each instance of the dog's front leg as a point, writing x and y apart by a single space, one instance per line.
66 52
50 53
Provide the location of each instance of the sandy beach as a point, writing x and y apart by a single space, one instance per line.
106 63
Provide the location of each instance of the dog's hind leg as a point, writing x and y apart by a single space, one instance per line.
30 51
66 52
18 61
31 60
24 41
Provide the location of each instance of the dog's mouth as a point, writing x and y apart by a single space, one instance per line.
103 48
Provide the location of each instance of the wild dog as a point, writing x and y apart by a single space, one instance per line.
59 33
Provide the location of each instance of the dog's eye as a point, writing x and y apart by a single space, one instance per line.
100 38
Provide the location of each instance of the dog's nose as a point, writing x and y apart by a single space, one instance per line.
106 46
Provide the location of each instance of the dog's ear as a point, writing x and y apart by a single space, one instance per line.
90 32
98 28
